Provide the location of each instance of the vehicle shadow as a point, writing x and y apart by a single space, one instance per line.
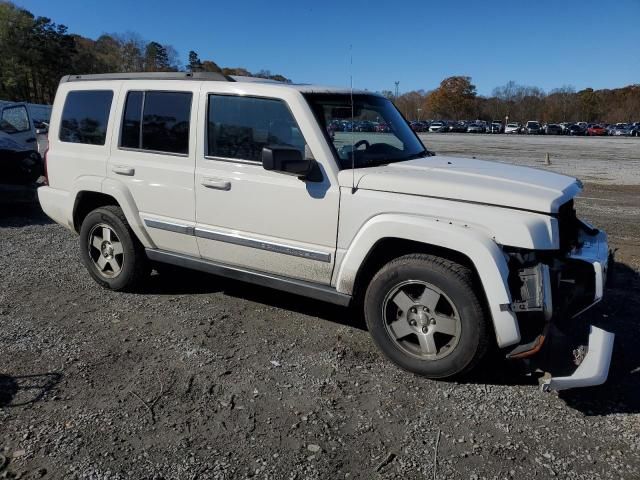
176 281
22 214
618 313
17 391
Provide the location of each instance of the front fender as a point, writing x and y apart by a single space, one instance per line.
484 253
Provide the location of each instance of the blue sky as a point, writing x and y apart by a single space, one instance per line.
544 43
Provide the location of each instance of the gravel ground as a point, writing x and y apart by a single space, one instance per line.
200 377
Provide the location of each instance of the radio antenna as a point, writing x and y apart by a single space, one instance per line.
353 153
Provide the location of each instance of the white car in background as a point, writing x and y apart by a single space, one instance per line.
438 127
513 127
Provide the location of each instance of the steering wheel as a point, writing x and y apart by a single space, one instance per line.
361 142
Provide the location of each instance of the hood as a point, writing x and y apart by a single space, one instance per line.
469 180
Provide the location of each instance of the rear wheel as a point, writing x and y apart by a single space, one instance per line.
423 312
112 254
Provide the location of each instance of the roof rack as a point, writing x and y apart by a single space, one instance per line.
202 76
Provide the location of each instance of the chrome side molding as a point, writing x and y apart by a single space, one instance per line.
170 227
263 245
242 240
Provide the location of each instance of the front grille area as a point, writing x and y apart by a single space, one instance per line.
568 226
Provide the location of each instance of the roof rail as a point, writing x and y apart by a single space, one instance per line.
202 76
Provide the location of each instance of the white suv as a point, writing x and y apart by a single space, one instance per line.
247 179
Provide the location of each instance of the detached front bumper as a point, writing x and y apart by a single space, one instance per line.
593 370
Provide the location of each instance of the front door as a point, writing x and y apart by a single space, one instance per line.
250 217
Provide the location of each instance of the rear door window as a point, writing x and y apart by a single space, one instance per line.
85 116
157 121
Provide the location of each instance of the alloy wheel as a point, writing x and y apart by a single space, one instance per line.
421 320
106 250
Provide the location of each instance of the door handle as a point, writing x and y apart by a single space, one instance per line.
216 183
128 171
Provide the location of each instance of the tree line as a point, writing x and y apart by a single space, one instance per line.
456 99
35 53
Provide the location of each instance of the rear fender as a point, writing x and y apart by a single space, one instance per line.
124 198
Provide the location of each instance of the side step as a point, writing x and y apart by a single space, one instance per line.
317 291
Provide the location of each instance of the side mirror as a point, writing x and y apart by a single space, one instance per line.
285 159
41 127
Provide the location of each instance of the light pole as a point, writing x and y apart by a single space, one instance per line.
419 112
397 89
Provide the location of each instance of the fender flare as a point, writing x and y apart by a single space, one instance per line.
124 198
483 252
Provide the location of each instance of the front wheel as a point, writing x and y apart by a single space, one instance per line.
424 313
112 254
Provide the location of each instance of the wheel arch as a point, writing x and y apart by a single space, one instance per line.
388 236
85 202
110 193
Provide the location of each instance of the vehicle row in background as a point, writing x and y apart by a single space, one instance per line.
532 127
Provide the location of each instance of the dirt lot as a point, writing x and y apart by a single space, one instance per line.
199 377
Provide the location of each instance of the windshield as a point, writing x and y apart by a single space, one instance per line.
355 133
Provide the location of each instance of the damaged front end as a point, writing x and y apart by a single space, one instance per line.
549 290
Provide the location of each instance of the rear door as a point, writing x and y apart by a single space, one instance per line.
154 156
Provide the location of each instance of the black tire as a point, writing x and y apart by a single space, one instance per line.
455 281
134 266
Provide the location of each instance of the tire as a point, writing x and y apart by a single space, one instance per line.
111 252
456 322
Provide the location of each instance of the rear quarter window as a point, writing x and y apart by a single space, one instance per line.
85 117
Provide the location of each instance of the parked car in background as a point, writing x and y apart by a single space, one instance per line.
476 127
552 129
595 130
635 130
458 127
575 129
533 128
565 127
513 127
418 127
497 127
365 126
21 154
438 126
621 130
383 128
